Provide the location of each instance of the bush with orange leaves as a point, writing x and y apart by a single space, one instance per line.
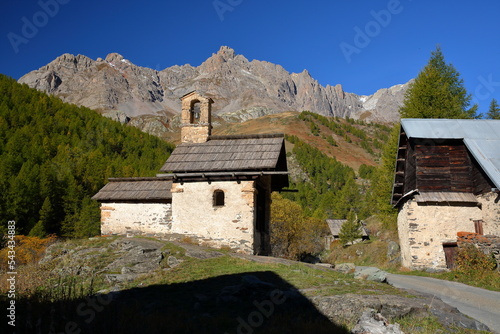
293 234
28 250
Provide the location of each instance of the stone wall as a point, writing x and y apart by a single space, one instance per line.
424 228
231 225
195 133
136 218
490 205
488 244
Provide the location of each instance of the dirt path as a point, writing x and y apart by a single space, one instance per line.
480 304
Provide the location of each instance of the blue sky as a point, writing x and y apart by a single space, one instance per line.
364 45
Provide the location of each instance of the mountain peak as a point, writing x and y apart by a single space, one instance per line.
66 57
114 57
226 53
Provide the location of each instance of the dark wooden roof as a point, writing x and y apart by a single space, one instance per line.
229 153
135 189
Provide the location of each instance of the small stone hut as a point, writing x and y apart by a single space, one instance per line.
216 189
446 181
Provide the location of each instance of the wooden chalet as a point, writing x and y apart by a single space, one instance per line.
446 180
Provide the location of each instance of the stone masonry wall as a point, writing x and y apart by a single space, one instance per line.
490 204
136 218
230 225
195 133
424 228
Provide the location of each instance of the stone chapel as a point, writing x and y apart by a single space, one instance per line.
213 189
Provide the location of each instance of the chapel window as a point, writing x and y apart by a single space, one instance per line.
219 198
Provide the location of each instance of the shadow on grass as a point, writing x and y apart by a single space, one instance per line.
253 302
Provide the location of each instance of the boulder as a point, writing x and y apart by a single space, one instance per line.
345 268
392 249
393 252
370 274
372 322
172 261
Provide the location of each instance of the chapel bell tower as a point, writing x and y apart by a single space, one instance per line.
196 115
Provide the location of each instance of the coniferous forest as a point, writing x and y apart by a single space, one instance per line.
55 156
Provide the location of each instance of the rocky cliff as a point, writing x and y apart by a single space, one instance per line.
242 89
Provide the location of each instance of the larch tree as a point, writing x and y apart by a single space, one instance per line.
494 110
351 229
438 92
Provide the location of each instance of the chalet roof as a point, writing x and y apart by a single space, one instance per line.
229 153
445 197
481 137
336 224
135 189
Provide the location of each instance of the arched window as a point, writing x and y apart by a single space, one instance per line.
218 198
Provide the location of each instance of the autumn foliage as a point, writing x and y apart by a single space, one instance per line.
28 250
472 260
293 234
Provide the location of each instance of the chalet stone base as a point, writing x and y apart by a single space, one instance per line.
424 228
490 206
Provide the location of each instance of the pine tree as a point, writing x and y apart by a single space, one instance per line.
351 229
437 92
494 111
46 219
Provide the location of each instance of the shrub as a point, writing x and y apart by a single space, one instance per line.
28 250
293 234
471 260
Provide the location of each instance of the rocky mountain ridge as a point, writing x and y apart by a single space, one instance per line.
242 89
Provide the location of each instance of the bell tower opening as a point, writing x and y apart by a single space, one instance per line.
195 112
196 116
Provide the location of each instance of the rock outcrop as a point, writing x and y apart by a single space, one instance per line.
124 266
373 322
242 89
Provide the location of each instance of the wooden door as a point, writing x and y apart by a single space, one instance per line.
450 254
